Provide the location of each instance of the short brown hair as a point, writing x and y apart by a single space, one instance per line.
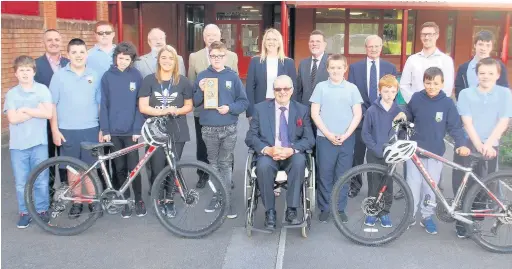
103 23
318 32
388 81
485 36
217 45
430 24
336 57
488 61
24 60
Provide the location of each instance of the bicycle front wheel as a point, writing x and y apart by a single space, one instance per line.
364 212
184 209
490 232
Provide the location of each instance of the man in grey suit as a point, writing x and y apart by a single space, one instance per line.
146 64
197 63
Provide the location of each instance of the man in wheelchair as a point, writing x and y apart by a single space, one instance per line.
280 133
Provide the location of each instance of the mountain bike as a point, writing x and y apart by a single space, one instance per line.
485 209
85 187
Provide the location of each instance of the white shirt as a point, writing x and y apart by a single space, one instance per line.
415 66
272 66
368 68
317 62
278 121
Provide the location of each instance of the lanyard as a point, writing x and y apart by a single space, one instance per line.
165 93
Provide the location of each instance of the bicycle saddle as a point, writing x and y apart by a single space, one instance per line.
93 146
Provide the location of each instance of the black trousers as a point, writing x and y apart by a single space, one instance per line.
52 152
359 152
125 164
159 161
375 181
266 171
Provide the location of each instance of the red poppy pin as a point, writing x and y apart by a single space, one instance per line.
299 122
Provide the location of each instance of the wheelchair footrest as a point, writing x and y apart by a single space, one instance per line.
261 230
294 225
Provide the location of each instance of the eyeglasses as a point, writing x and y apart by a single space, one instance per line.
282 89
217 56
428 34
104 33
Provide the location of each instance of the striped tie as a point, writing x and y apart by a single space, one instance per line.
313 73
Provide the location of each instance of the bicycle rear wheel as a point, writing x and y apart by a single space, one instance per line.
492 233
53 210
359 228
188 213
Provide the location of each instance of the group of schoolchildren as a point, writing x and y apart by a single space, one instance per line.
112 108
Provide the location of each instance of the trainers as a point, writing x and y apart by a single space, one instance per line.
140 209
93 208
24 221
460 230
214 204
75 211
44 216
170 209
343 216
370 221
324 216
412 223
231 213
385 221
127 212
399 195
429 225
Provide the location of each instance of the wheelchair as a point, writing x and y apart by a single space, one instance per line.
251 195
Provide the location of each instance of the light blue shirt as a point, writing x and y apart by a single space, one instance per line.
485 109
77 98
32 132
336 102
471 73
99 60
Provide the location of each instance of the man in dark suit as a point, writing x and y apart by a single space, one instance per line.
365 74
46 66
280 133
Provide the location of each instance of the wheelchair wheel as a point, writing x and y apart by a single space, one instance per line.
364 212
249 213
307 228
311 188
247 181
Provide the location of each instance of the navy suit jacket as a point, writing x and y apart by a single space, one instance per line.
44 71
357 76
256 83
304 88
262 128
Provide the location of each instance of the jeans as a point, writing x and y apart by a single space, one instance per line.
23 162
220 143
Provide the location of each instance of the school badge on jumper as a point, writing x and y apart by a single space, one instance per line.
89 79
228 85
439 116
132 86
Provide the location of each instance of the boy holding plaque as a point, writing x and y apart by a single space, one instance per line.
221 93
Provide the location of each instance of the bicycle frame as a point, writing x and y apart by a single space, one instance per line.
468 173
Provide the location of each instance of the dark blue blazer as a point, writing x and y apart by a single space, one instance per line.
44 71
262 128
357 76
256 83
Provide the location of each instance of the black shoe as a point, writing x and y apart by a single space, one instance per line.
231 212
93 208
232 184
291 214
44 216
75 211
270 219
140 209
170 209
460 230
127 212
353 192
343 216
203 178
324 216
399 195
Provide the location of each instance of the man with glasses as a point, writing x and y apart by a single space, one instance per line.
147 63
100 56
366 74
197 63
280 133
430 56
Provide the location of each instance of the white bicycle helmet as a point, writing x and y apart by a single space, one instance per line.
154 131
400 151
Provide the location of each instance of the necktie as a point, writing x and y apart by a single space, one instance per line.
283 128
313 73
372 94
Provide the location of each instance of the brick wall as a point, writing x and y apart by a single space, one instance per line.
23 35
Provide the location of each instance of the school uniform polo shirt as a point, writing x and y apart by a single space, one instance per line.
77 98
336 102
32 132
99 60
485 109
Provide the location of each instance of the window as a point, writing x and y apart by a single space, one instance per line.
335 36
195 25
233 12
358 34
330 13
365 14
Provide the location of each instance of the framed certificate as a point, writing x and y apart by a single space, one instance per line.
211 93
